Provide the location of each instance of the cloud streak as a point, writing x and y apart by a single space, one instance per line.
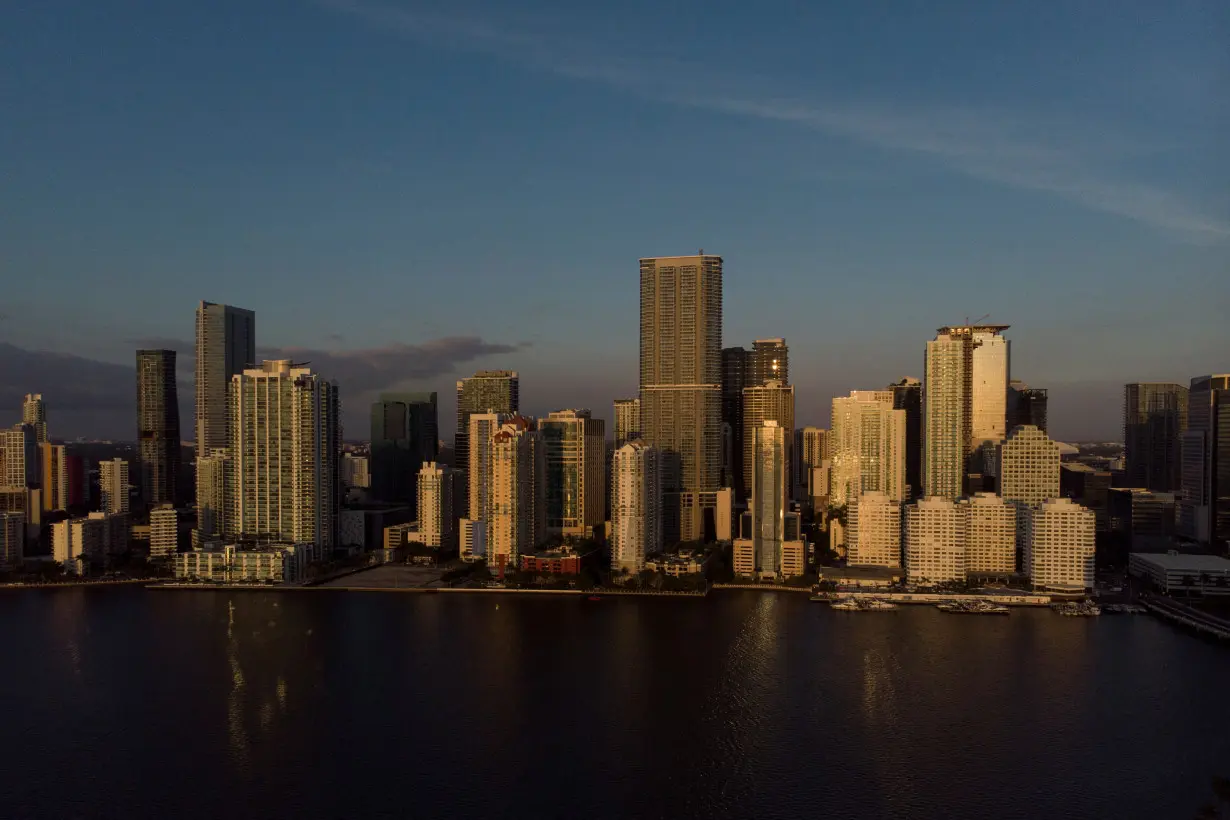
1053 157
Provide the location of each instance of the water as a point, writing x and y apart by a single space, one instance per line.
129 703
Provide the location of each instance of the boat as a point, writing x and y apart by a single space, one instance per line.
974 607
1077 609
594 598
846 605
878 604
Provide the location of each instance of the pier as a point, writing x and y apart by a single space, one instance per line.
1189 617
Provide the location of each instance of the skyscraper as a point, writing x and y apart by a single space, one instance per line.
636 506
770 361
990 536
214 493
285 449
405 434
225 345
163 531
867 445
772 401
769 500
736 375
1059 545
1154 421
1204 510
680 382
935 533
874 536
18 457
478 438
965 394
12 538
575 448
34 412
907 396
627 421
158 436
517 522
487 391
55 476
113 486
436 504
1026 405
811 450
1029 472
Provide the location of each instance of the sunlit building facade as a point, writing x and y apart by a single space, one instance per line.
1059 545
873 537
935 532
34 413
113 486
868 447
990 535
517 522
636 506
627 421
772 401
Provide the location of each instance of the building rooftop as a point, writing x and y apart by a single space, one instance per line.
1180 562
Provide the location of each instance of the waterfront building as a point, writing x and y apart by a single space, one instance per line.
772 401
935 533
907 397
163 531
575 447
158 434
1154 422
1171 573
1059 545
636 506
113 486
868 447
1026 405
562 560
18 457
225 346
483 427
770 361
285 456
1204 511
627 421
680 384
405 433
214 494
34 413
76 542
677 565
244 563
437 515
473 537
12 539
874 535
56 479
486 392
736 374
769 499
517 522
990 535
1028 466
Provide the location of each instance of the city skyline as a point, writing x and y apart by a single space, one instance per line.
884 197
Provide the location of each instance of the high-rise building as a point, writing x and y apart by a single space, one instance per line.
935 535
1026 405
575 447
1059 545
34 413
868 447
158 436
1028 465
356 471
990 535
770 362
965 396
907 396
225 346
18 457
627 421
636 506
1154 420
736 374
113 486
405 433
214 493
478 477
874 534
769 500
487 391
811 451
12 538
1204 511
771 401
680 384
55 477
78 540
436 504
163 531
285 452
517 522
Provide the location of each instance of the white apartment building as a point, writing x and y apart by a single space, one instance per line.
78 540
874 533
1059 546
113 486
437 524
285 451
237 564
990 535
1028 466
989 385
12 538
935 533
163 531
636 506
627 421
867 446
518 476
482 427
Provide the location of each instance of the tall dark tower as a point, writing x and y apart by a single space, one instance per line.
907 396
158 435
405 433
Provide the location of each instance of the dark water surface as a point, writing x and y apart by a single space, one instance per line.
132 703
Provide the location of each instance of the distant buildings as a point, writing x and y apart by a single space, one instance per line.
79 543
158 435
680 384
907 397
404 434
575 449
356 471
811 448
12 538
1059 545
771 401
225 345
874 535
868 447
517 522
1154 421
163 531
487 391
34 413
627 421
1147 521
636 506
1204 513
18 457
438 490
215 483
736 374
113 486
1028 465
56 478
284 456
1026 405
479 440
935 533
770 362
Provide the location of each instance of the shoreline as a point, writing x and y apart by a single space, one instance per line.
78 584
601 593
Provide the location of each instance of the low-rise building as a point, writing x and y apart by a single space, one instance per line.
242 563
560 561
1171 572
677 565
1059 545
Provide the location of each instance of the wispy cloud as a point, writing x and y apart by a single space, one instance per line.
1065 159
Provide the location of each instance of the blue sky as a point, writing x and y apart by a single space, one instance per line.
411 191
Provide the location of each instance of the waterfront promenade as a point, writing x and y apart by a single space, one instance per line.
1008 599
1190 617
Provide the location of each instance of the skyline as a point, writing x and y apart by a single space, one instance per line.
402 192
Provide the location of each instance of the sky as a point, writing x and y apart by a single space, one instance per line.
406 192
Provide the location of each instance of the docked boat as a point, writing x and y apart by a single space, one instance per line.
846 605
1077 609
877 604
974 607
